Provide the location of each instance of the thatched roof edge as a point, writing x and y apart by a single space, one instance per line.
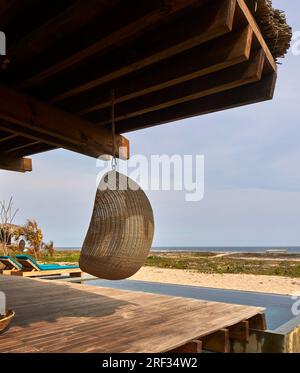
273 25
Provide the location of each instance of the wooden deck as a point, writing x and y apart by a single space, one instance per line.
53 316
73 272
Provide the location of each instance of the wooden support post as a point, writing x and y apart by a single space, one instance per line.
192 347
240 331
258 322
267 342
216 342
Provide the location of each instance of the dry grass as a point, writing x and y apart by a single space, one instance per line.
273 25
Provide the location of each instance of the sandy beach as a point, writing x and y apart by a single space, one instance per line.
245 282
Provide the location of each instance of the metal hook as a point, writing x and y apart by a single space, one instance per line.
113 129
114 163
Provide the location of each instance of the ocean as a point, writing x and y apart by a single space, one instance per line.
236 249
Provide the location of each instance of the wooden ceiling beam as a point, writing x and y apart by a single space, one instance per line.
60 26
5 136
26 15
221 53
65 130
246 95
233 77
31 149
6 5
15 164
14 142
18 147
243 7
18 130
158 11
10 8
214 20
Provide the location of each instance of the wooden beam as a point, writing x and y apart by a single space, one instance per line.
192 347
62 25
233 77
221 53
213 20
4 136
14 143
28 133
32 149
271 342
258 322
13 7
64 129
19 147
18 165
217 342
6 4
250 19
157 12
240 331
27 15
248 94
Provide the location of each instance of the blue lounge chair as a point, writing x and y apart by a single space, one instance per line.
32 268
30 264
10 264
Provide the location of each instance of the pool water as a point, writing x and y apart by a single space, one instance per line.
278 307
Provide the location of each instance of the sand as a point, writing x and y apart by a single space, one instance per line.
264 284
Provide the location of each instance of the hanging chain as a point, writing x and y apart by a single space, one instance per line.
113 128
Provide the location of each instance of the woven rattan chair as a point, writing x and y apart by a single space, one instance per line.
121 230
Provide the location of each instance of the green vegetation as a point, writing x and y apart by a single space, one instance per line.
226 264
258 264
70 256
207 262
204 263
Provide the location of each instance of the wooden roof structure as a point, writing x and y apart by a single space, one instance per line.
165 59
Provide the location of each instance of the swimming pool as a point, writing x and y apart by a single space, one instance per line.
278 307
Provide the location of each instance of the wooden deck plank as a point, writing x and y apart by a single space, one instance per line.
53 316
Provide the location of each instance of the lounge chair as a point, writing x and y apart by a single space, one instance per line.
32 269
9 264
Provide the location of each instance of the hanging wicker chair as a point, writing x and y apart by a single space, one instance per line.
121 230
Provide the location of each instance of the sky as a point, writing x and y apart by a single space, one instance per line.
252 175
